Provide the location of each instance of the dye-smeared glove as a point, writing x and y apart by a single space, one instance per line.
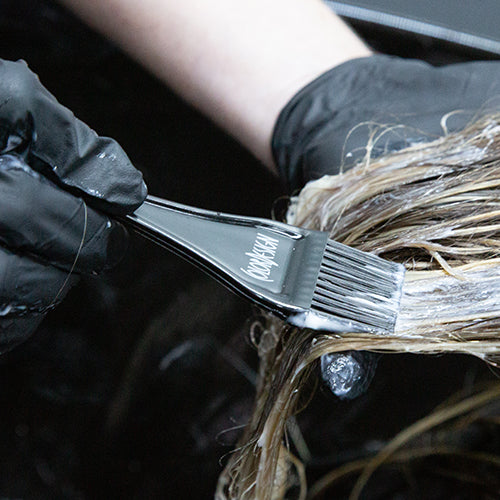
58 180
348 374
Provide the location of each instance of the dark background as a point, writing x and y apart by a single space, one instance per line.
137 385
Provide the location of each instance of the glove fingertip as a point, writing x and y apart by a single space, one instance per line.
348 374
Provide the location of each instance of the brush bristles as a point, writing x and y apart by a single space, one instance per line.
358 286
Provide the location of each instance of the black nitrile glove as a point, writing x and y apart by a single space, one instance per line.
329 123
348 374
50 162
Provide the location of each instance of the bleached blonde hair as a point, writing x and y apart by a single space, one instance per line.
434 207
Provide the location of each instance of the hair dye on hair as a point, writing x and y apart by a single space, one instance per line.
434 207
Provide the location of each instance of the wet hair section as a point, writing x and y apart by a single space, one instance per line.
433 207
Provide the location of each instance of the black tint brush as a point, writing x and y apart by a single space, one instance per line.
298 274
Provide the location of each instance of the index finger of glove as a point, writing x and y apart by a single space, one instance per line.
39 219
77 156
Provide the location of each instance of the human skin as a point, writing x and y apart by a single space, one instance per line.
237 62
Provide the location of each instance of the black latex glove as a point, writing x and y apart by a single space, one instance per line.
50 162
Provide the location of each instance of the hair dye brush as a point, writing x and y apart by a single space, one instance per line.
298 274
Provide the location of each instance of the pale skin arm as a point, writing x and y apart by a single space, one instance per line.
238 62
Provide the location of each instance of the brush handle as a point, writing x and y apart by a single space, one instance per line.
249 255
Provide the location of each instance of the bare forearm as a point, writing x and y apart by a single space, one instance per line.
239 62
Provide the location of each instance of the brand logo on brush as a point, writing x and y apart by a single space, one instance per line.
262 258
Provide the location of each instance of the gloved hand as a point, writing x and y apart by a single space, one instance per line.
330 122
57 177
